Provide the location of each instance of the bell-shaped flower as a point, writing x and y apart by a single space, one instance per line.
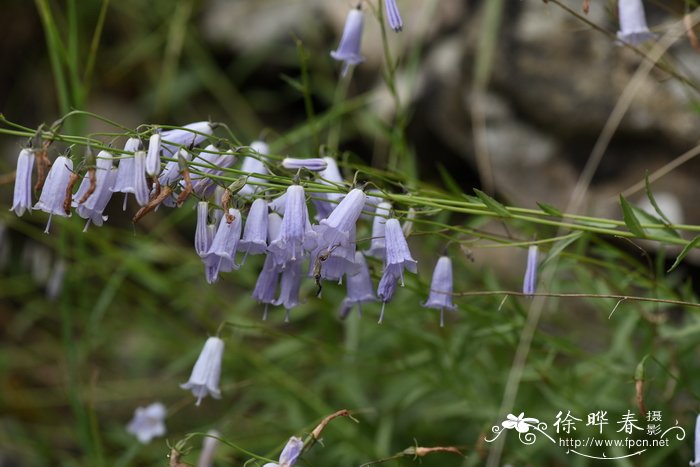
290 283
326 202
94 205
336 228
212 162
131 174
633 23
254 165
206 373
148 422
333 262
296 235
393 15
266 285
377 247
22 199
279 204
209 446
348 50
291 452
254 240
202 233
188 136
359 287
530 279
386 289
153 155
222 252
440 296
171 172
314 164
53 195
398 256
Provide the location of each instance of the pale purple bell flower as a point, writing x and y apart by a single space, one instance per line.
290 284
291 452
313 164
633 23
440 296
223 246
377 247
386 290
53 194
326 202
530 279
254 240
254 165
22 199
202 238
279 204
171 172
213 160
188 136
209 446
393 15
374 198
407 226
335 261
206 373
131 174
105 176
274 226
358 286
266 285
348 50
336 228
148 422
153 155
398 256
54 285
296 235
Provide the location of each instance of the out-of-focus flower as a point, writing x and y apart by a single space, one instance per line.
407 227
314 165
358 286
326 202
148 422
216 160
348 50
290 453
22 199
697 442
54 286
440 296
633 23
206 373
530 279
377 247
53 194
393 15
209 445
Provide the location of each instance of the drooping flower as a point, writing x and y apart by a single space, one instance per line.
393 15
633 23
358 286
326 202
153 155
209 445
95 204
189 136
222 252
254 241
202 238
53 195
377 248
313 164
333 262
148 422
171 172
296 235
440 296
386 289
530 279
254 165
266 285
290 283
336 228
213 161
22 199
290 453
279 204
206 373
348 50
398 256
131 174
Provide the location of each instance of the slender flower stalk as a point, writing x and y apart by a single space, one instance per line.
53 194
348 50
206 373
148 422
393 15
291 452
440 296
314 165
530 279
22 199
633 23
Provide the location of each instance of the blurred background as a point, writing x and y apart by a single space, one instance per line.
96 324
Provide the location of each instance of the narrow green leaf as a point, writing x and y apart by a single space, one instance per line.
492 204
692 244
449 181
296 85
549 209
561 246
630 219
652 200
662 231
